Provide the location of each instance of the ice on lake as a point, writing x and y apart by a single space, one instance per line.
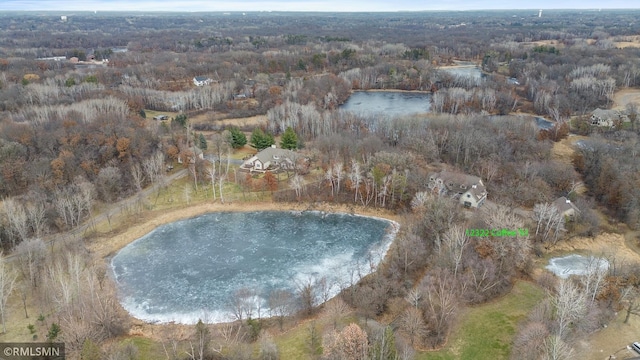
575 265
189 269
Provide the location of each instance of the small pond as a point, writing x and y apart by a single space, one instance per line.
575 264
189 269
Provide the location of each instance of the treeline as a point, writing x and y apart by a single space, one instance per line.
610 167
550 84
506 152
57 160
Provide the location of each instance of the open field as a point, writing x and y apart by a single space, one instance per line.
251 121
628 42
623 97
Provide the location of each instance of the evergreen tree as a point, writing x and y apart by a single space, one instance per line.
202 142
238 138
289 139
260 140
181 120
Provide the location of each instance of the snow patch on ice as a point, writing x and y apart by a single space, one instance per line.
575 264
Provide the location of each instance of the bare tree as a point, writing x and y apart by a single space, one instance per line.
297 183
268 347
7 281
108 182
356 177
280 304
441 301
328 175
336 309
30 255
338 174
306 292
36 212
413 297
138 176
224 177
549 222
412 323
153 168
530 341
631 296
212 176
557 349
454 242
242 303
593 277
17 220
570 305
231 333
202 338
350 344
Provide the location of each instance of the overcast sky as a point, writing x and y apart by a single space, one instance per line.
307 5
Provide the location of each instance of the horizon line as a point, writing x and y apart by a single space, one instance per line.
317 11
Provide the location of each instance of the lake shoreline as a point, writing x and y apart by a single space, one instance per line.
106 245
378 254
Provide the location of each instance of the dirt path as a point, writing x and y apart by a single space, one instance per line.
623 97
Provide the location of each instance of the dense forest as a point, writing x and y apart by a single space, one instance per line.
76 91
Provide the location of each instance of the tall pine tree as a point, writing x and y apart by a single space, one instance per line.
260 140
238 138
289 139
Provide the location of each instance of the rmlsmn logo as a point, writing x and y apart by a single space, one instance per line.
32 351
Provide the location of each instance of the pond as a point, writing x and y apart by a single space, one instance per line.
190 269
387 103
575 264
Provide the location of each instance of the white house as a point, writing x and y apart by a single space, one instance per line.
272 159
201 81
467 189
600 117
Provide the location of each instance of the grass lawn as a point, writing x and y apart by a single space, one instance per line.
486 331
147 348
294 343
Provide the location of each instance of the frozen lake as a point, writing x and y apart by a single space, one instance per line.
387 103
575 265
189 269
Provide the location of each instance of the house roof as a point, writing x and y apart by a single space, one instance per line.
461 183
201 78
604 114
270 153
563 204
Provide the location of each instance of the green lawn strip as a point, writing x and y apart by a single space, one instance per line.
147 348
486 331
293 344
